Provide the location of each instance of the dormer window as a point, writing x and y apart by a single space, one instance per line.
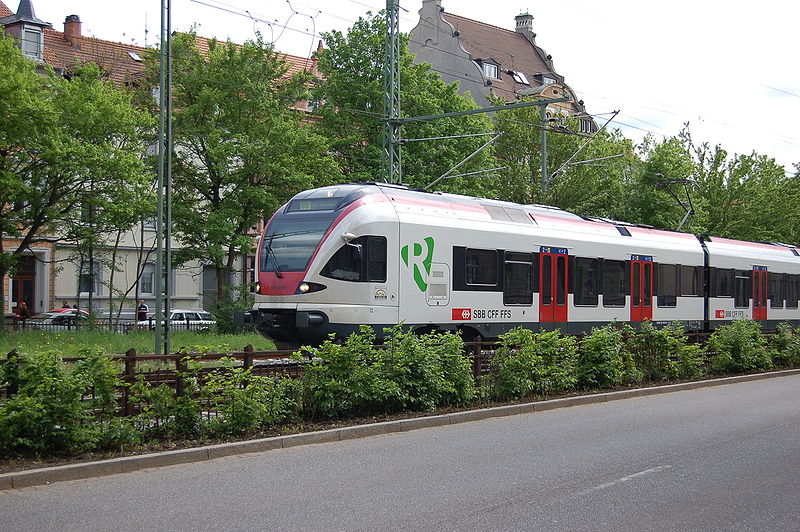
491 71
547 80
32 42
519 77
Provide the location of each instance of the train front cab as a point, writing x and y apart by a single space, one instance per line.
328 264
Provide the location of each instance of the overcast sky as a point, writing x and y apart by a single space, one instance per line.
728 67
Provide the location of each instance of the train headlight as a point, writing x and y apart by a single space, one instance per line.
257 287
307 287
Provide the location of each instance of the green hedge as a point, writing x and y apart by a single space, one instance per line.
67 409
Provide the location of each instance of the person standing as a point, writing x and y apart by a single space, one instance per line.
141 310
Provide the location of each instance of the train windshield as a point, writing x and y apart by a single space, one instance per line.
290 241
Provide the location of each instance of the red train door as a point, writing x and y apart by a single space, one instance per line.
553 284
641 288
760 293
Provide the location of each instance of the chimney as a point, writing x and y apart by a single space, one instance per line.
72 27
524 22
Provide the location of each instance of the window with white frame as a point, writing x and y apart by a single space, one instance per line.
520 77
89 280
147 282
490 70
32 42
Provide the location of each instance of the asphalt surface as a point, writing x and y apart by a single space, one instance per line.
719 458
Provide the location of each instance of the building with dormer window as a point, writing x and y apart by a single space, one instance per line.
486 59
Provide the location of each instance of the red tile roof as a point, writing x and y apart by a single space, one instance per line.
296 63
117 60
508 48
4 10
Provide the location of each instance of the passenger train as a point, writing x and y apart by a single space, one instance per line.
334 258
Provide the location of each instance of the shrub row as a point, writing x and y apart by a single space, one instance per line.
50 413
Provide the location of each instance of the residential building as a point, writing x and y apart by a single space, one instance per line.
51 272
486 59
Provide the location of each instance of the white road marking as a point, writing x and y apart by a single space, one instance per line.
624 479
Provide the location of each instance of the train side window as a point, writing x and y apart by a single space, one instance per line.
587 276
613 283
480 267
363 259
722 282
376 259
667 285
775 290
791 288
690 280
741 295
518 285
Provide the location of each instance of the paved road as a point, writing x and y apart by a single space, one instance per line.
721 458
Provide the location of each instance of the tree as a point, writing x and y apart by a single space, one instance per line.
64 143
746 197
647 200
240 147
587 189
350 98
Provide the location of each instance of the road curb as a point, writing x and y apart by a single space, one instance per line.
49 475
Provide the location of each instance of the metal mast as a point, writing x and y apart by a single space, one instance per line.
163 263
391 95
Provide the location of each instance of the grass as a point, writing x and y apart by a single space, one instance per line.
70 343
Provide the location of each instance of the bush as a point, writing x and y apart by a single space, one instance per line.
245 401
162 412
409 372
785 347
652 349
429 370
346 378
603 360
47 414
532 363
739 347
238 299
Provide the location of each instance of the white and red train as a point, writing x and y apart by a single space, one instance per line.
337 257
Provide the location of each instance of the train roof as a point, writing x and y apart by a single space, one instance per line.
541 215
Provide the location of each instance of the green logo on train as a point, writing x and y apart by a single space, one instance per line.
421 260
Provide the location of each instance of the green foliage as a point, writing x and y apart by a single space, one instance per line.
65 143
411 371
241 149
740 347
584 189
246 402
647 201
533 363
785 347
603 360
351 113
347 378
691 361
48 415
430 370
239 299
652 349
663 353
73 343
162 412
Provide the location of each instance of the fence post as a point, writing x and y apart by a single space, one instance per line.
130 380
12 374
247 359
180 369
477 359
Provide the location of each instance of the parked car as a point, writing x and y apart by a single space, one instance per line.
57 319
183 319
